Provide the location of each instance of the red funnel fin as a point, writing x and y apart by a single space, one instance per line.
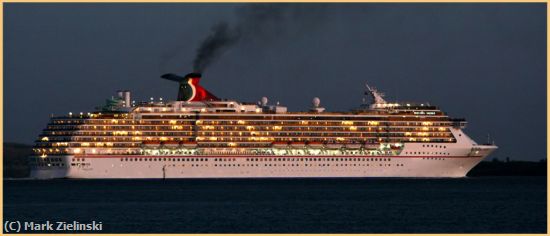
201 94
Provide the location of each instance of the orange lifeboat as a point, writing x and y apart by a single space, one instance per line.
171 144
315 144
150 144
279 144
333 145
189 144
353 145
372 146
297 144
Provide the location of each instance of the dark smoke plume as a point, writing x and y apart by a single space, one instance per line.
260 21
214 45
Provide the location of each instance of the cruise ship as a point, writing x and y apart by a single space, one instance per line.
202 136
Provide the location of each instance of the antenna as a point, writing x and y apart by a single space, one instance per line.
375 95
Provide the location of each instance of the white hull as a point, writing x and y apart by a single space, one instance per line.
114 167
415 160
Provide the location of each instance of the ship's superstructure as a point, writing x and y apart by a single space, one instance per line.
202 136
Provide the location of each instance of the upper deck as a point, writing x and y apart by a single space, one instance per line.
124 127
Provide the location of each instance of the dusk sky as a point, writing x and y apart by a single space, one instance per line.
482 62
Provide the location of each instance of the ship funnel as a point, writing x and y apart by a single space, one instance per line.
189 88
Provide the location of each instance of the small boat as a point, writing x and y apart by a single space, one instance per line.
372 146
189 144
298 144
279 144
171 144
353 145
333 145
150 144
315 144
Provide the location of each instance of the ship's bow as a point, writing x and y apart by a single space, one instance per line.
478 153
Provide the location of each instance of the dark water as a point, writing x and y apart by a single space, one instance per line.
483 205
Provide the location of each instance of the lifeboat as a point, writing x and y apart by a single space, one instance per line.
150 144
171 144
315 144
279 144
298 144
353 145
372 146
189 144
333 145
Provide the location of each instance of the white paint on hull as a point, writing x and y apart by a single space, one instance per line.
99 168
415 160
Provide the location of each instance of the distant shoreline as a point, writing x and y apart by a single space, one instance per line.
509 168
16 165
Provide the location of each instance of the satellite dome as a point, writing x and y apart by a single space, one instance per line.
264 101
316 102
